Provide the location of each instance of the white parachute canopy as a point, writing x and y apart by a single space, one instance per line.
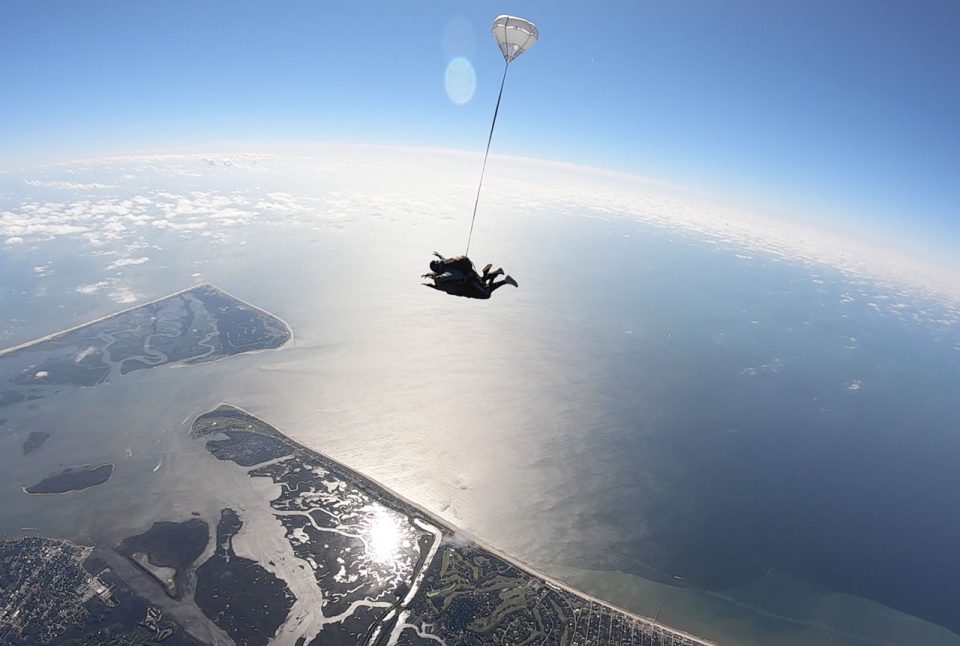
514 35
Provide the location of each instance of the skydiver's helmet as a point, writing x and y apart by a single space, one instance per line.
436 266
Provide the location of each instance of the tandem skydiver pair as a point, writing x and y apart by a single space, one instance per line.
457 277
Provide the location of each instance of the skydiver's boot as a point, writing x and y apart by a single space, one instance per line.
489 278
510 281
486 270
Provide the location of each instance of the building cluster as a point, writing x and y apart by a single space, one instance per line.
44 589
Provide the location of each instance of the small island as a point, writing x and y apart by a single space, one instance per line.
72 479
34 441
166 550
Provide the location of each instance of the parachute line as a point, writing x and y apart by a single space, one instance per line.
485 155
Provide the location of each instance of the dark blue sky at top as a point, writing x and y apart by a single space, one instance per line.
844 112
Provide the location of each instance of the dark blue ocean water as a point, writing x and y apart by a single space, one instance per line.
753 414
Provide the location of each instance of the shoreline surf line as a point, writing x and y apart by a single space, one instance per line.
452 530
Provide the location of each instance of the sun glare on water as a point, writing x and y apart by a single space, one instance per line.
383 537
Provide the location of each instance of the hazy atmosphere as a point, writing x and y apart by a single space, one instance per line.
722 399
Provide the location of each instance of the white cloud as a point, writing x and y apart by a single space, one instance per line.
282 202
854 385
69 186
126 262
123 295
92 288
341 186
774 367
116 292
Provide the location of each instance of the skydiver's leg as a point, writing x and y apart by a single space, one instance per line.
492 287
488 277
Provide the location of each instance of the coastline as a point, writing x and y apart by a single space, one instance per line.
290 341
374 487
450 530
56 335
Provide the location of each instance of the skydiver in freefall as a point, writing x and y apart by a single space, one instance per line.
457 276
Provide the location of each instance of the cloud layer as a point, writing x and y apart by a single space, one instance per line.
122 203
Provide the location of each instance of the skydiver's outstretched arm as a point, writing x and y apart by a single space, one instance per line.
432 286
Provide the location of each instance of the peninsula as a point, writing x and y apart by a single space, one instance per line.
392 573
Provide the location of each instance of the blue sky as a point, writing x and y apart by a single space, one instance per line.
845 112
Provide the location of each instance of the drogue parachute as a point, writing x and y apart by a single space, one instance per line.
514 35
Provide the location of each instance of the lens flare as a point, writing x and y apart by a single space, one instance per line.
460 80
